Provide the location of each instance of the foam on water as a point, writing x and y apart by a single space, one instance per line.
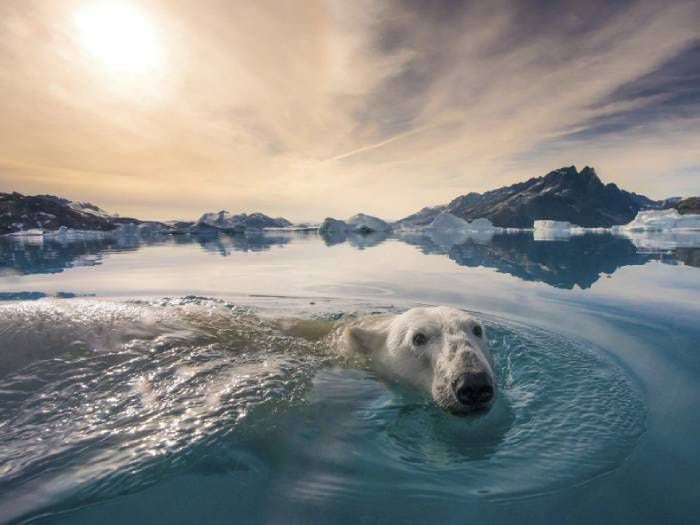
133 391
121 396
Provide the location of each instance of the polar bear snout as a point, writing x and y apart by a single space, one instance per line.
474 390
440 349
463 379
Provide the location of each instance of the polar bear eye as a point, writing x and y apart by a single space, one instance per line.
477 330
420 339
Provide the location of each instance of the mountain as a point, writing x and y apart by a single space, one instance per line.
50 213
566 194
25 212
81 206
665 204
688 206
229 222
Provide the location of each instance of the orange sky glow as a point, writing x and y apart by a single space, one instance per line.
167 109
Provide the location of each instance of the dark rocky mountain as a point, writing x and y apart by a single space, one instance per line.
422 217
50 213
665 204
24 212
562 195
239 223
689 206
646 203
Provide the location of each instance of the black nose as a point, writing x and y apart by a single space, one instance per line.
474 389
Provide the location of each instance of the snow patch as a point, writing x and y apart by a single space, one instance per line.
91 209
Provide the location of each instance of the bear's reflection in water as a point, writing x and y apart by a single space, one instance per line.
422 433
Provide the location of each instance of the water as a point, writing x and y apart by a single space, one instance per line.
151 380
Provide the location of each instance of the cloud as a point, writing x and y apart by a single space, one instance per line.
308 109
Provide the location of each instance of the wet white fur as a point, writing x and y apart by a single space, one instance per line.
452 348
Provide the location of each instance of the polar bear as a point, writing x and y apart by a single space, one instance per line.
439 349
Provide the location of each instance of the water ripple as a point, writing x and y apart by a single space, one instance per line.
201 385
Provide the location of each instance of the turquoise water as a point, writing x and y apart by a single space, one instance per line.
148 381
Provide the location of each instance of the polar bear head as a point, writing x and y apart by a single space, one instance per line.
442 350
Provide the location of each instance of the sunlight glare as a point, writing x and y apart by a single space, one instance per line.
119 36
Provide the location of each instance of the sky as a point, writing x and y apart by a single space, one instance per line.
165 109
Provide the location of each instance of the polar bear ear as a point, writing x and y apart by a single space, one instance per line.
368 337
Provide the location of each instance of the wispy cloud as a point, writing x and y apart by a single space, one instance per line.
309 109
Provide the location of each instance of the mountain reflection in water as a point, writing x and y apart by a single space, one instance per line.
562 263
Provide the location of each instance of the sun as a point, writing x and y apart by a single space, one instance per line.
119 36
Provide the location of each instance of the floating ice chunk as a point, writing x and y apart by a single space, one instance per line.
482 225
661 220
34 232
333 226
448 230
663 240
143 228
553 225
448 222
546 230
220 219
359 223
243 221
362 223
552 235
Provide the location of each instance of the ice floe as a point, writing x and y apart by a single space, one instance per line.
661 220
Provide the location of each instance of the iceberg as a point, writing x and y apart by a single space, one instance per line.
655 241
332 226
446 221
360 230
362 223
546 230
226 221
448 230
359 223
553 225
143 228
482 225
661 220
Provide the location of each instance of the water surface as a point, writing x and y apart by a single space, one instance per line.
148 380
